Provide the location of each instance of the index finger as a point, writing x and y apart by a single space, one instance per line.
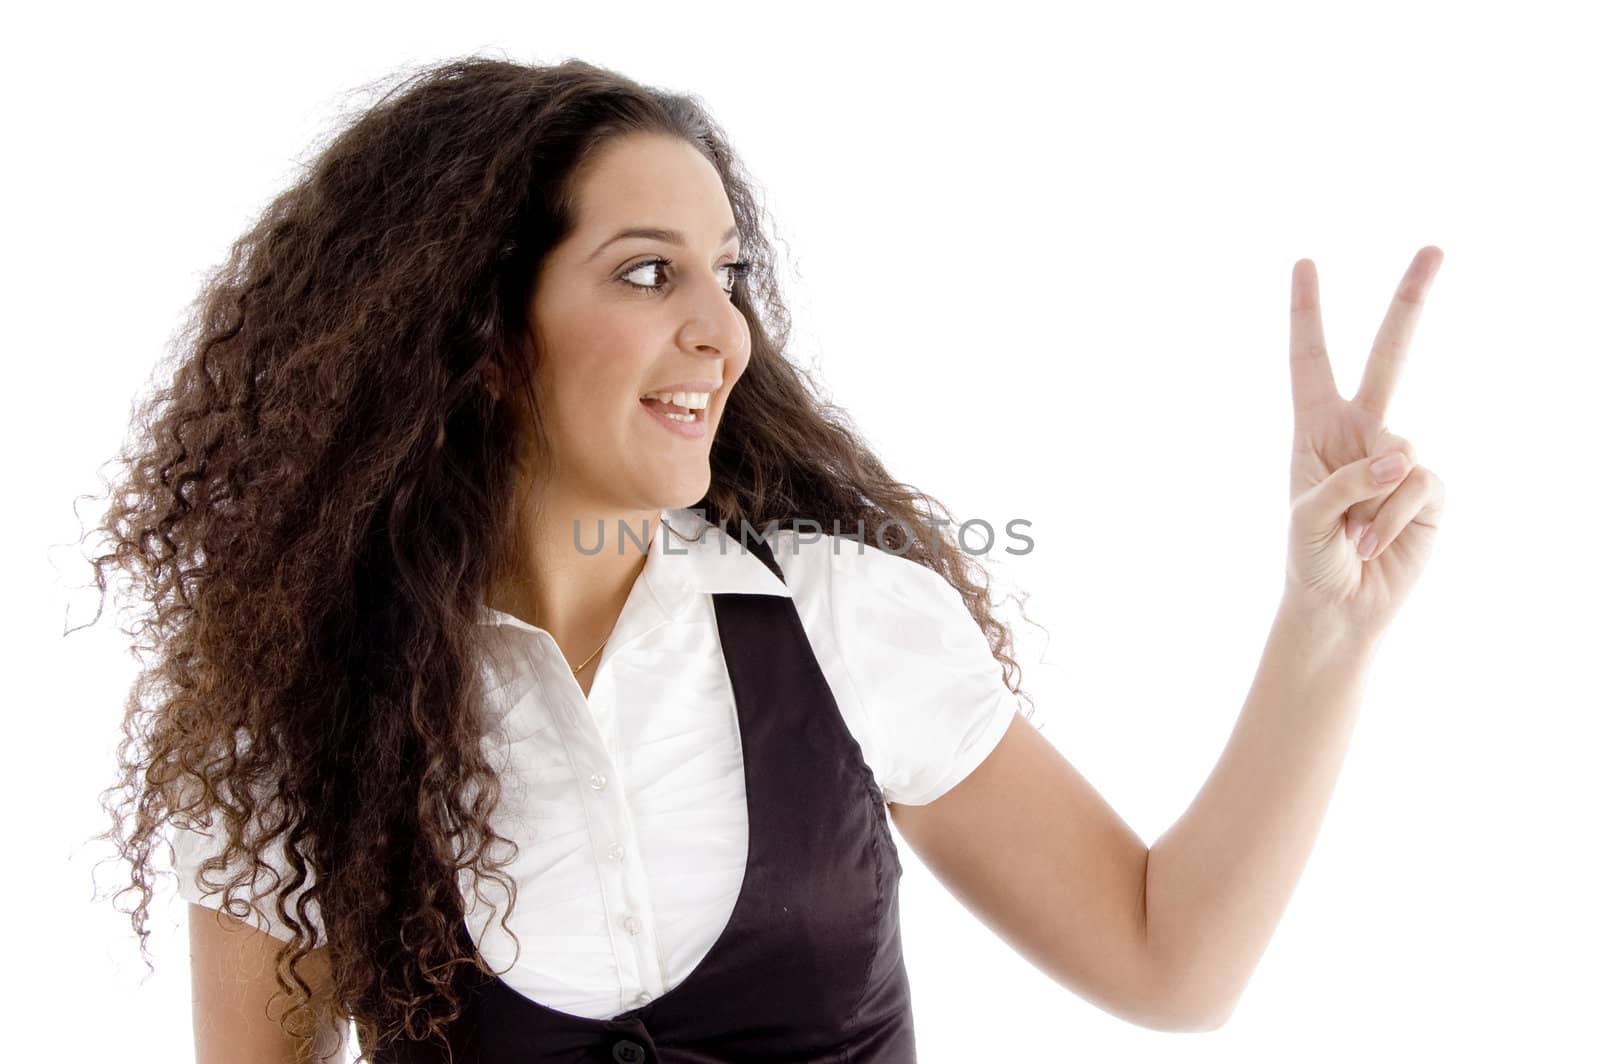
1310 377
1394 335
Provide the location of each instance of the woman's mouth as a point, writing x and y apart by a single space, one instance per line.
682 413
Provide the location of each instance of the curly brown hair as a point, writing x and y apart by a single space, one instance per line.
312 509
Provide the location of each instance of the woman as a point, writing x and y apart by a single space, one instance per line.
503 735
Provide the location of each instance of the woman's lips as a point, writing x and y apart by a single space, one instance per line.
692 430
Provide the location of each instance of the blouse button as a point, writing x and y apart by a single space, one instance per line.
642 999
616 852
598 781
631 924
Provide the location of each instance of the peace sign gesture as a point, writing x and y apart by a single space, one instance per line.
1339 503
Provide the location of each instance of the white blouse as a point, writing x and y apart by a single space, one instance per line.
628 806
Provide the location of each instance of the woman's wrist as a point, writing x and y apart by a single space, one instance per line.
1325 628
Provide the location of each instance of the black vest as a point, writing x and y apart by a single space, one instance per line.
808 968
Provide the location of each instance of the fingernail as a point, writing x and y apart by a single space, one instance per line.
1356 530
1388 467
1369 543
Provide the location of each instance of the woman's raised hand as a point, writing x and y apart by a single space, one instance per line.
1337 505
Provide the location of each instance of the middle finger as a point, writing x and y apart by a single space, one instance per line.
1394 335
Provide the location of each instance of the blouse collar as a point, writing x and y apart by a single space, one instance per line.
688 557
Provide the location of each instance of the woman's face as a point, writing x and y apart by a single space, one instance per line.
613 324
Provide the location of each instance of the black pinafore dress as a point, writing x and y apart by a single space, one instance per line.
808 969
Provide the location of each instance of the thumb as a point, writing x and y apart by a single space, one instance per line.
1365 478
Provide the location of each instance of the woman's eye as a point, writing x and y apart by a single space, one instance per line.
735 271
643 266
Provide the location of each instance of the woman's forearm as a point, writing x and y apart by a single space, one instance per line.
1220 878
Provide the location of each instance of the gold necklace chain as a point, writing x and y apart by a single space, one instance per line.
590 658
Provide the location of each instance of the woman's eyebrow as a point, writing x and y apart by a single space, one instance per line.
647 232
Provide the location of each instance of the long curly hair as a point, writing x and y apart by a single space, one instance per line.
311 509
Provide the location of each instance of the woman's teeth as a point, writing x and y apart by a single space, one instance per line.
688 404
691 400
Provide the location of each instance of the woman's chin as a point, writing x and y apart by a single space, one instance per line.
682 492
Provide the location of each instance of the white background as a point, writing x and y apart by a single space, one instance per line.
1043 258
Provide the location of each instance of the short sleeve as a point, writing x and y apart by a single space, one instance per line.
192 846
921 666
